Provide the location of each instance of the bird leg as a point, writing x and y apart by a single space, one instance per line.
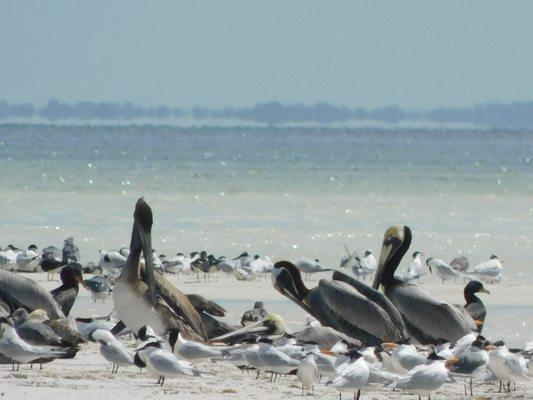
257 376
162 380
357 395
471 387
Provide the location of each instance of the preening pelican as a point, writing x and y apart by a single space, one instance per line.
426 319
136 299
344 304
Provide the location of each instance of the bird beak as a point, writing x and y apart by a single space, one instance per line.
478 323
483 290
146 239
256 327
388 346
143 226
79 279
451 361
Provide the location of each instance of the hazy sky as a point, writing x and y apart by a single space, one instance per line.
237 53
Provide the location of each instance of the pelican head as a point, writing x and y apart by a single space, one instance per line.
38 315
287 280
141 239
396 241
272 324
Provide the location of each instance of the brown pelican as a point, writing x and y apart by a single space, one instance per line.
426 319
344 304
17 291
152 301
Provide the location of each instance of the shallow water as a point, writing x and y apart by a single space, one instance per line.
286 193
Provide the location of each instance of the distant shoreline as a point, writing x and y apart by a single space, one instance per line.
518 115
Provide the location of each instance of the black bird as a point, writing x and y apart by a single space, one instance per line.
65 295
474 306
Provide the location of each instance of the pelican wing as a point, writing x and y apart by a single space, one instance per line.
375 296
27 294
178 302
201 304
426 317
325 337
358 311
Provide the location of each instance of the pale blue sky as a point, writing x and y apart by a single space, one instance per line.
417 54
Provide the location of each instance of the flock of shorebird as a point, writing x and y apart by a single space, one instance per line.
361 337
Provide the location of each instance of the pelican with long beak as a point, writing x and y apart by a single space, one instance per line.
427 320
143 296
344 304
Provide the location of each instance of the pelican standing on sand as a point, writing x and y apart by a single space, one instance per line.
136 300
426 319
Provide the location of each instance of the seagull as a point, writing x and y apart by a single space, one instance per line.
51 260
308 267
12 346
113 260
443 270
8 258
307 373
405 356
71 252
225 266
489 271
460 264
163 364
415 268
112 349
28 260
369 261
352 375
274 361
424 379
471 363
191 350
506 365
99 286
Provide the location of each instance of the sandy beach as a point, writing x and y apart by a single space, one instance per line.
90 375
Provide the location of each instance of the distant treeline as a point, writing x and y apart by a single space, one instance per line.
514 115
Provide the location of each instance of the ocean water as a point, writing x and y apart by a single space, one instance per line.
285 192
282 192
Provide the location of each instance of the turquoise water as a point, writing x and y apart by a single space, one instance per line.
286 193
281 191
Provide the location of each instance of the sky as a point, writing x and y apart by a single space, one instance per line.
414 54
